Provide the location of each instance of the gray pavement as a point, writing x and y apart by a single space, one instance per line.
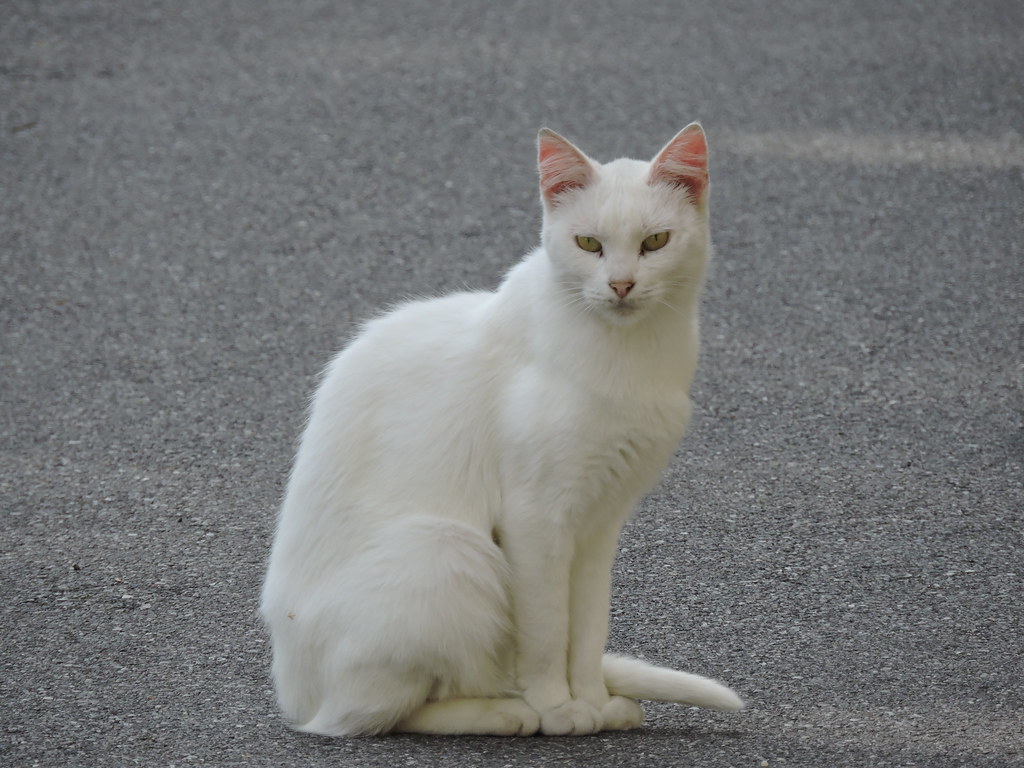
199 201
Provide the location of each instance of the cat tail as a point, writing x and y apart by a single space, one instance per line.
635 679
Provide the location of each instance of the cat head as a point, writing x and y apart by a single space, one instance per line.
626 238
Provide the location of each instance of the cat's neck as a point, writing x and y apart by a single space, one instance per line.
657 355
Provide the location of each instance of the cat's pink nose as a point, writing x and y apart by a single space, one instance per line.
621 287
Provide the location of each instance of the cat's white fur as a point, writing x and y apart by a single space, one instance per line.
443 555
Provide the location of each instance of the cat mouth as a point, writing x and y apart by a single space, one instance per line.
624 306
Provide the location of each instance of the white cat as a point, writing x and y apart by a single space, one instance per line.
443 556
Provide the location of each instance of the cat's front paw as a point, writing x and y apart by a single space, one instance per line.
510 717
575 718
621 714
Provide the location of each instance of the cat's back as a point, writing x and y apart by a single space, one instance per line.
427 348
413 323
413 345
467 336
415 380
400 405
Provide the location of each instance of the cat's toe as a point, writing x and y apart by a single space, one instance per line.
513 718
573 718
621 714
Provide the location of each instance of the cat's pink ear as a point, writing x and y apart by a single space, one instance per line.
562 166
683 163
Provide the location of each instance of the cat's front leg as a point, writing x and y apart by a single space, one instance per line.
590 597
541 565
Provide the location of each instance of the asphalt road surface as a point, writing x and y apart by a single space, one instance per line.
199 202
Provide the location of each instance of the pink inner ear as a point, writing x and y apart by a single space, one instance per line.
562 166
684 162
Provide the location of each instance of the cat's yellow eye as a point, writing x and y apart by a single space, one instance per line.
587 243
655 241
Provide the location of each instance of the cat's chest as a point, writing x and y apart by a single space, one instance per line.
559 433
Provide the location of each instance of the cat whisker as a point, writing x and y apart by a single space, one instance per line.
575 300
665 303
679 282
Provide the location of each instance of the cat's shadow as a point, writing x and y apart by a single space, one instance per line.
643 736
673 734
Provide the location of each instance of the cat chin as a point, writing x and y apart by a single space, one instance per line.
622 314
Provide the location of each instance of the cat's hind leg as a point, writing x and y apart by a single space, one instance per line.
481 717
621 714
420 614
369 701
